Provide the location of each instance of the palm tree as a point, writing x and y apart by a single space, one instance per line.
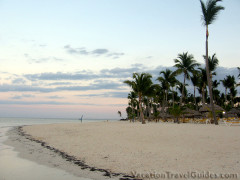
185 64
213 63
195 81
202 84
149 96
182 89
225 84
141 85
132 97
167 80
231 85
210 11
238 76
216 92
176 111
233 93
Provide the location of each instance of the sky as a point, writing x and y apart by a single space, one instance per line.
67 58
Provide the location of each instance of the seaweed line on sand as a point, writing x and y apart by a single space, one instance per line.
73 159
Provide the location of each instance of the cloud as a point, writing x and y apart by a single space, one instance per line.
99 51
97 85
149 57
23 88
96 52
106 79
60 83
55 97
7 102
31 60
61 76
115 94
81 51
23 96
35 102
19 81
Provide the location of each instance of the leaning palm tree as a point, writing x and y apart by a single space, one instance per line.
141 85
185 64
210 11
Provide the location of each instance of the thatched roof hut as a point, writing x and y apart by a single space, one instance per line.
207 108
191 113
234 112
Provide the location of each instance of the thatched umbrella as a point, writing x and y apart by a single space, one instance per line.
207 108
191 113
233 112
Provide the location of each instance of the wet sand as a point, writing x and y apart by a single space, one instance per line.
24 159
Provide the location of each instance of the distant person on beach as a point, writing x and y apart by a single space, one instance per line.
81 118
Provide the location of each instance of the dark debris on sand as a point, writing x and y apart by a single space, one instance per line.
74 160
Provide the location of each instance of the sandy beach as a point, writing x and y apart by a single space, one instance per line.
128 148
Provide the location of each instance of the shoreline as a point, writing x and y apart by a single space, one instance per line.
34 150
117 149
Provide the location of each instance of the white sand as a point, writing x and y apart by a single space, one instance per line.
124 147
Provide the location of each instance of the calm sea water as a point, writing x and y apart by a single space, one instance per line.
14 167
9 122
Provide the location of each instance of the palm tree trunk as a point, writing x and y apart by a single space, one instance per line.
225 94
140 109
133 113
173 96
194 94
232 103
209 80
182 97
203 95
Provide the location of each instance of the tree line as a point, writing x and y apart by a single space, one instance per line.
146 95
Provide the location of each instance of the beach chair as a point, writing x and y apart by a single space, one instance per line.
231 121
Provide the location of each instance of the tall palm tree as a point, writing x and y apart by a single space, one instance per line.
141 84
185 64
210 11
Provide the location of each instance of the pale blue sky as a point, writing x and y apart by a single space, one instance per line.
88 47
